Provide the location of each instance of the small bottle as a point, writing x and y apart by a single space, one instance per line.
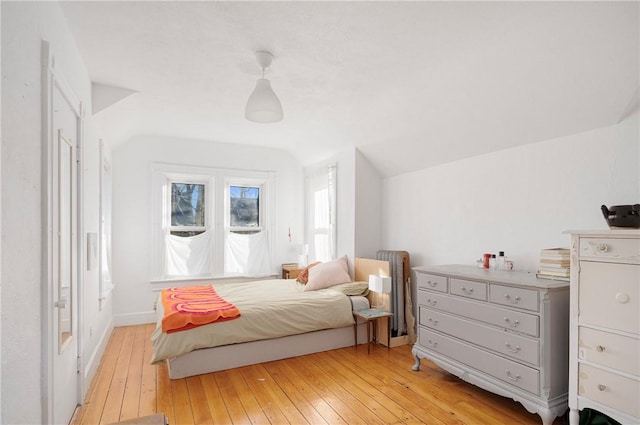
493 263
485 260
501 260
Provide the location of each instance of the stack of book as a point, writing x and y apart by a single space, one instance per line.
554 264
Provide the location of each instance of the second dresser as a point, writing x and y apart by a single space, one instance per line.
504 331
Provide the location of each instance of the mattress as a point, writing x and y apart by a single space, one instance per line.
268 308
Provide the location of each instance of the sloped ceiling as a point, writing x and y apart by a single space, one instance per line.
410 84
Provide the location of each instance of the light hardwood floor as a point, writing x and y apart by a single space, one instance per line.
344 386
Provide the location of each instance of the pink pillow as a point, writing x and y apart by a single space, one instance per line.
328 274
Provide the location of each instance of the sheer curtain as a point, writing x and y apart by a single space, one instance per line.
188 256
247 254
321 213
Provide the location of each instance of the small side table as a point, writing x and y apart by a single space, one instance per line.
372 315
291 271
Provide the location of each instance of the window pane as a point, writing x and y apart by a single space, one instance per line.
187 204
244 204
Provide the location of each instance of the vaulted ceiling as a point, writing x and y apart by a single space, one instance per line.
410 84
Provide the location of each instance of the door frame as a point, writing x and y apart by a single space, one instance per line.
52 79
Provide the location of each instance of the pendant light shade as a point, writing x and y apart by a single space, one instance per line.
263 105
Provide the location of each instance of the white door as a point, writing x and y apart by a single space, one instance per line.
65 288
62 121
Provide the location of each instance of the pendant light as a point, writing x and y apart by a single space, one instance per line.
263 105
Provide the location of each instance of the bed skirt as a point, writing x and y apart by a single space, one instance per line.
214 359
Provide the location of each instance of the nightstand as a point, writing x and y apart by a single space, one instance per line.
291 271
372 315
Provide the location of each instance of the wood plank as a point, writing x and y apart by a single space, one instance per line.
113 404
361 388
131 397
164 402
215 401
259 386
181 402
198 401
148 394
299 398
91 410
334 387
245 394
232 400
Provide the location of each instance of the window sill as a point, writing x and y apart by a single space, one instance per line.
159 284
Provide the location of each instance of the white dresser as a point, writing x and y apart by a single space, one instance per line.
604 367
504 331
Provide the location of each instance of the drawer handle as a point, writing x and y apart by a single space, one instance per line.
513 324
602 387
603 247
467 290
432 284
622 298
510 376
432 302
433 322
599 348
431 343
515 300
509 348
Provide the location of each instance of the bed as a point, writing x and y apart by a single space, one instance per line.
251 339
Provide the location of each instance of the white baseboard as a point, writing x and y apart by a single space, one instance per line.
129 319
91 366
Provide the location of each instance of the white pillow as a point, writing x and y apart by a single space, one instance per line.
328 274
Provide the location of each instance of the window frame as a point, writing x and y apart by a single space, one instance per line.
163 173
209 197
244 182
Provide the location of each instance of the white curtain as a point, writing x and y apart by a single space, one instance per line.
247 254
188 256
321 213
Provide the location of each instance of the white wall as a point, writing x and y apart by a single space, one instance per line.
24 25
518 200
368 209
132 161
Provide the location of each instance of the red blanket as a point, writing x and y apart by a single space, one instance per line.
192 306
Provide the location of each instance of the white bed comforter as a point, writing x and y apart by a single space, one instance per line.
268 308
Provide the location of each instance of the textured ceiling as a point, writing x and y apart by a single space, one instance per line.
411 84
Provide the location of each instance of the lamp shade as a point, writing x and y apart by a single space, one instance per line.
263 105
381 284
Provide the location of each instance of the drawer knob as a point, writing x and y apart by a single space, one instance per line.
432 343
510 376
514 300
466 290
599 348
431 283
602 387
622 298
431 302
512 349
513 324
603 247
433 322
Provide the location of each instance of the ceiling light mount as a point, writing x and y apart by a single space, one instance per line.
263 105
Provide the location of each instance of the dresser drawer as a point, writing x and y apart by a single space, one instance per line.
609 295
513 373
611 350
514 297
515 346
432 282
468 288
610 248
609 389
495 315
